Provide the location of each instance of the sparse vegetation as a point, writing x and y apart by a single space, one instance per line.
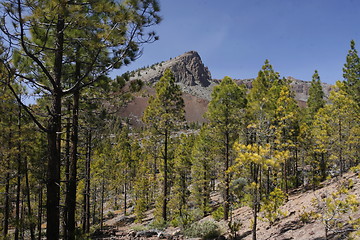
332 207
203 230
256 150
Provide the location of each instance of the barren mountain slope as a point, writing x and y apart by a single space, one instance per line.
292 226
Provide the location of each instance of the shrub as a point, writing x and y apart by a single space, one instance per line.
218 214
306 217
204 230
271 207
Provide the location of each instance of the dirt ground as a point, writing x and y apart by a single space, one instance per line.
300 202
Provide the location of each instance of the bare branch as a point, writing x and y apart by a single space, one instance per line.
34 82
26 108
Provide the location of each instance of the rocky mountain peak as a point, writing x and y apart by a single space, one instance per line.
188 69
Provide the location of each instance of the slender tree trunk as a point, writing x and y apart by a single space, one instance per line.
18 185
297 182
22 217
32 225
205 192
342 167
7 185
323 167
40 212
7 201
86 220
286 176
227 178
94 207
125 197
67 170
165 190
71 194
256 201
102 203
255 207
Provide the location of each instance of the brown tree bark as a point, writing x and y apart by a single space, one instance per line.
71 194
86 216
30 215
165 183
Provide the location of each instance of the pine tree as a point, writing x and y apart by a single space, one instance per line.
225 113
203 169
262 104
351 73
180 193
316 96
315 158
252 160
286 131
336 128
163 115
45 36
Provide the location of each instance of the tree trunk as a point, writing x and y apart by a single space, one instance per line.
86 220
227 178
125 197
7 202
255 210
94 207
342 167
205 192
32 225
53 171
71 194
67 170
7 186
18 187
165 190
102 204
323 167
40 212
54 135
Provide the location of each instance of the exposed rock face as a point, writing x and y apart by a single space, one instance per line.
299 87
196 83
187 68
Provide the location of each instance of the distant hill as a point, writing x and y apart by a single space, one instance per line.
196 83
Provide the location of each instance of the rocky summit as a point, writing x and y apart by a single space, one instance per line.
187 68
196 83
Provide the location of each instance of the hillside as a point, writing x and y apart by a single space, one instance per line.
296 224
196 83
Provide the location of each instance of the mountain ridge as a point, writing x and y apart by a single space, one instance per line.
196 82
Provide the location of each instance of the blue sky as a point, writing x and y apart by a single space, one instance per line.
234 37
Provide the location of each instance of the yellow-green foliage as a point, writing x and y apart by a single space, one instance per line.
218 214
271 206
356 170
332 208
263 156
307 216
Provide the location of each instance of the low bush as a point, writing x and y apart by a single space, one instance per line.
203 230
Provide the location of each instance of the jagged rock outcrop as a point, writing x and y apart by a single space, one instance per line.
187 68
196 83
299 87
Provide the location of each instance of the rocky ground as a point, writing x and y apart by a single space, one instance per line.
297 223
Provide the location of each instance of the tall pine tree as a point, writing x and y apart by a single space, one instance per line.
163 115
225 112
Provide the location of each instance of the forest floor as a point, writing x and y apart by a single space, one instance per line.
298 222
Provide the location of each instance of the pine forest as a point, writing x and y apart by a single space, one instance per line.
70 162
